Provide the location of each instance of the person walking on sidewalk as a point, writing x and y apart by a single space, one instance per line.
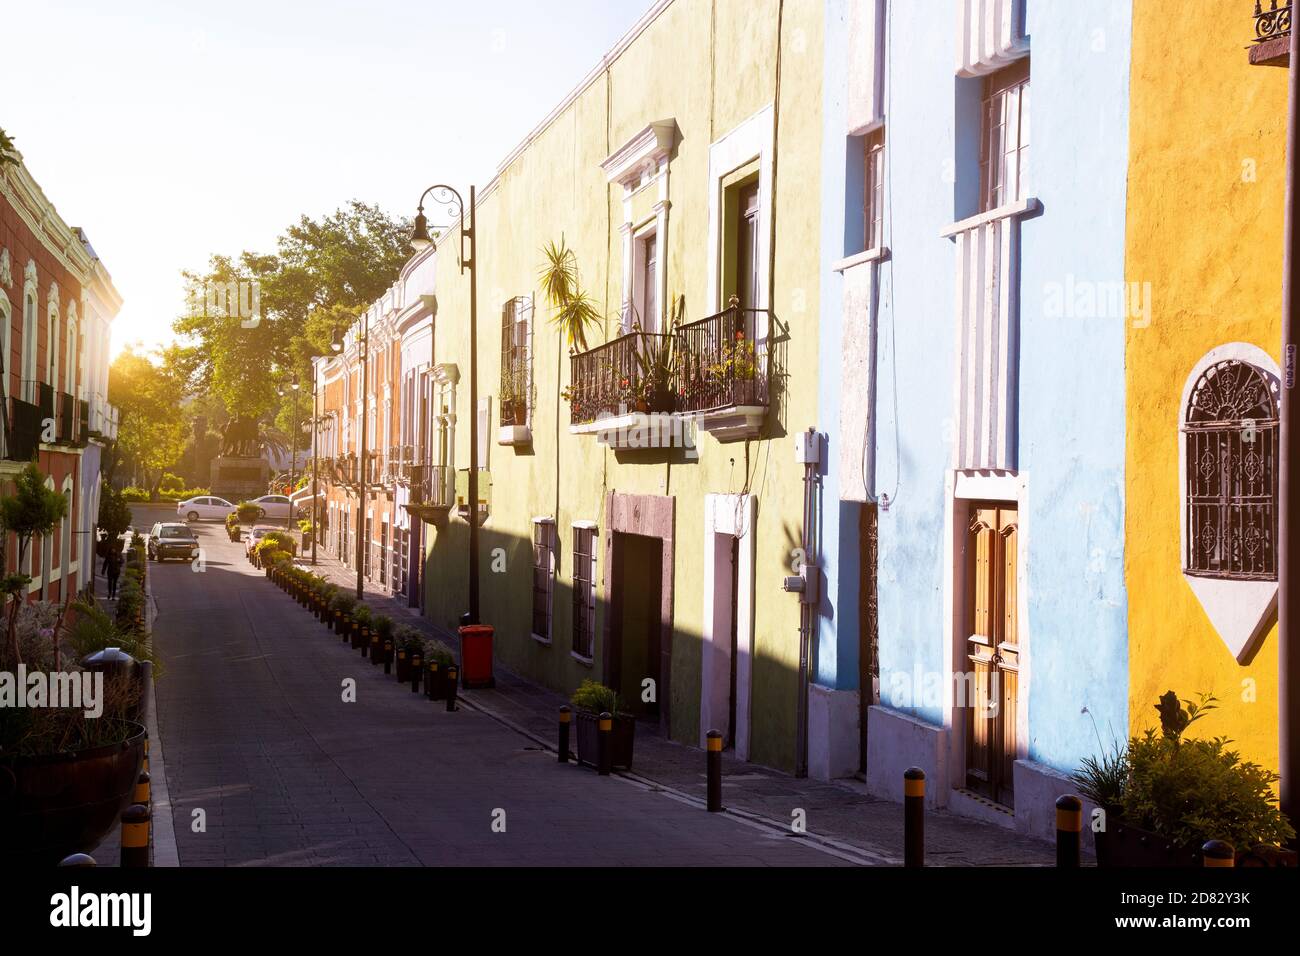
113 568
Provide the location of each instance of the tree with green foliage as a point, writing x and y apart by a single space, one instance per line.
151 430
114 512
31 510
7 150
323 273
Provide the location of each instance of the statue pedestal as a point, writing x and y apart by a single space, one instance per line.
238 479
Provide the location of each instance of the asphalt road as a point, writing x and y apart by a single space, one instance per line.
258 737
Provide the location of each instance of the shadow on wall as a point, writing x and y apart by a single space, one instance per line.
514 599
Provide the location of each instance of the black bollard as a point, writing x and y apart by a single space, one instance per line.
142 791
713 769
417 671
453 672
1219 853
1069 826
604 731
388 656
566 717
914 817
135 836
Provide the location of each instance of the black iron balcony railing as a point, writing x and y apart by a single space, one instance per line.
1272 21
631 373
65 419
719 363
25 424
83 422
430 485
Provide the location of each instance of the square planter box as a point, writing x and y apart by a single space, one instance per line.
621 738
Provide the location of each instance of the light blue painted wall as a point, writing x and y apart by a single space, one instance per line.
836 651
1072 370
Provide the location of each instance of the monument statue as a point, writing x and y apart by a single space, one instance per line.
239 439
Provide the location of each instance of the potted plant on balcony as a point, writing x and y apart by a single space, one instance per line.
590 700
1165 795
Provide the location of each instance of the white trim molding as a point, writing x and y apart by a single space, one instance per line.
728 517
642 163
990 35
1241 611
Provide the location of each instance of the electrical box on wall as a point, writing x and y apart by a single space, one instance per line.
807 447
804 584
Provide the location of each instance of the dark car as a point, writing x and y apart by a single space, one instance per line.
172 541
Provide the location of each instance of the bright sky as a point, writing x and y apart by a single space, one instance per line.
174 129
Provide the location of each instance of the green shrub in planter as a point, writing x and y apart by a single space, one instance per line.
591 699
1186 790
283 540
247 512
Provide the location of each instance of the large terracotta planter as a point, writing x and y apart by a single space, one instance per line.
52 806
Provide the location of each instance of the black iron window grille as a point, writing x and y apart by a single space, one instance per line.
584 590
516 361
1231 432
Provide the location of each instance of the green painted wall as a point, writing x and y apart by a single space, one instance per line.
709 71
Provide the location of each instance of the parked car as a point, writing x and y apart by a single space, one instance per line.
204 508
171 540
273 506
257 534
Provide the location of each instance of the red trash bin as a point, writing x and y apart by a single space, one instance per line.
476 656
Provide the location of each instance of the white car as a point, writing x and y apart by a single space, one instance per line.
257 534
273 506
205 507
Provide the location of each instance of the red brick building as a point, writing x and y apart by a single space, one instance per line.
56 305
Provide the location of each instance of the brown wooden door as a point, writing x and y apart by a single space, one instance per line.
992 653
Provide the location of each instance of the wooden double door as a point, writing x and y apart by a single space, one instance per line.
991 682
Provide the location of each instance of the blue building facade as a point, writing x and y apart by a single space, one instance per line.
973 329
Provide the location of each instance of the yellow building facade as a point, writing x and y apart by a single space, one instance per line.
1204 242
683 171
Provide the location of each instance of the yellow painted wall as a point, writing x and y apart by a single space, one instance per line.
709 71
1204 123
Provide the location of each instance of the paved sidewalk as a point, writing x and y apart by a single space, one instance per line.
839 814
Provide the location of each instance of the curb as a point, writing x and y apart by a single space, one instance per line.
164 833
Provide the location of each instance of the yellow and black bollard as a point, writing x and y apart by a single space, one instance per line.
914 817
1218 853
604 733
388 656
78 859
449 685
566 717
135 836
417 671
1069 828
143 795
431 678
713 769
402 673
365 642
376 649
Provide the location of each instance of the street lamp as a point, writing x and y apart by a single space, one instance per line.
420 240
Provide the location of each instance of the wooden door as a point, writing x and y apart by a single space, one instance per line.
992 653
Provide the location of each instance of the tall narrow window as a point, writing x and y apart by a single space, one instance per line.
29 371
874 189
1231 429
1004 137
543 576
516 361
584 590
748 266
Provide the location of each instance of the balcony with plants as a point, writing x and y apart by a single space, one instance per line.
1271 43
722 372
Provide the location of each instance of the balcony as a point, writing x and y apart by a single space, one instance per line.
722 372
1271 44
431 488
24 436
66 433
641 389
83 423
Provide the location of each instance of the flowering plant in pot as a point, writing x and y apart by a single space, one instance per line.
1165 795
590 700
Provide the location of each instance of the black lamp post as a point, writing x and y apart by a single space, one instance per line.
420 239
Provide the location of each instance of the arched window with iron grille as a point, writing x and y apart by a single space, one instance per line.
1231 429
